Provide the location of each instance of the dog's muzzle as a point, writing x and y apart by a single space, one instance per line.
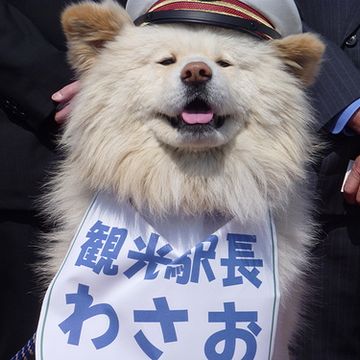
197 117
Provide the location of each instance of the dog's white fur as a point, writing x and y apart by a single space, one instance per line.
116 140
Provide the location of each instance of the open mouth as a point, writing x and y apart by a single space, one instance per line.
197 116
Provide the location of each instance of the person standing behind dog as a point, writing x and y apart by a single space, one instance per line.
32 67
334 327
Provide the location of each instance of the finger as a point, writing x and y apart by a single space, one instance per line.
66 93
358 196
352 184
63 114
354 122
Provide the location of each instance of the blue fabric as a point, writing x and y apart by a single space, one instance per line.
345 116
27 352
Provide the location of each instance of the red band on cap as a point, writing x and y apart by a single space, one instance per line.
227 7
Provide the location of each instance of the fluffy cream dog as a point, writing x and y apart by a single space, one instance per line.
135 129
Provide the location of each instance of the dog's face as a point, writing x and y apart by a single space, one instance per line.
198 89
198 95
201 88
192 105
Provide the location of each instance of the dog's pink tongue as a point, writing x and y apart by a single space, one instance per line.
197 118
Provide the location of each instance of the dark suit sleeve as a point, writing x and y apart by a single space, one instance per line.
337 85
31 69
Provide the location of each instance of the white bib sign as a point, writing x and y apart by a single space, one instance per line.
123 292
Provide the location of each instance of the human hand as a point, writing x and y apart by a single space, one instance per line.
354 122
63 97
352 184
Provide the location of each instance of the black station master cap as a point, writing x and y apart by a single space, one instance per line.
265 19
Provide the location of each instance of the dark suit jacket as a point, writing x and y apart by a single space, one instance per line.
32 66
333 330
339 81
338 85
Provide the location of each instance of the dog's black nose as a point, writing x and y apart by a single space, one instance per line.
195 73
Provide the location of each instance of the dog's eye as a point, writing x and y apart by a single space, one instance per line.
167 61
223 63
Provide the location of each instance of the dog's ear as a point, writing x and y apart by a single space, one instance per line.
302 54
88 26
